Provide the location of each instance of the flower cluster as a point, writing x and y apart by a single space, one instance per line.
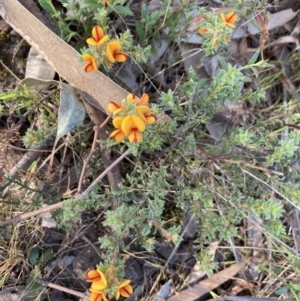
102 50
102 285
130 117
216 34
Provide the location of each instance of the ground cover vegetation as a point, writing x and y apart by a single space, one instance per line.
207 140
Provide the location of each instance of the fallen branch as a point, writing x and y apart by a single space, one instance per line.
202 289
62 57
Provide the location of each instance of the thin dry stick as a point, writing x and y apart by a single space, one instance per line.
24 163
97 129
266 170
60 288
56 206
28 215
27 149
91 187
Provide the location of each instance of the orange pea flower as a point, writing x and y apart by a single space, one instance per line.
132 126
115 107
144 113
202 30
124 289
215 42
229 19
91 63
98 37
131 98
114 53
150 118
144 99
132 119
97 295
97 278
118 134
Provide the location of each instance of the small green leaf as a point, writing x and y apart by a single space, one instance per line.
254 70
2 281
123 10
254 57
47 6
34 256
140 31
9 96
89 4
295 286
33 288
144 11
47 255
224 64
281 291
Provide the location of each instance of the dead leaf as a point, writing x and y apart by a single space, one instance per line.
275 20
204 287
283 41
71 111
37 67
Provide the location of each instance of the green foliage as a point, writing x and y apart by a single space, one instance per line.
39 136
36 257
72 209
179 168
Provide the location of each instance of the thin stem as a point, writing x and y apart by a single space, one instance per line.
91 187
266 170
60 288
28 215
93 149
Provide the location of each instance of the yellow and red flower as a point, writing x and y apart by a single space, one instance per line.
118 134
132 126
229 19
114 53
91 63
144 99
98 279
144 113
115 107
202 30
98 37
150 118
97 295
215 42
124 290
132 118
99 283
